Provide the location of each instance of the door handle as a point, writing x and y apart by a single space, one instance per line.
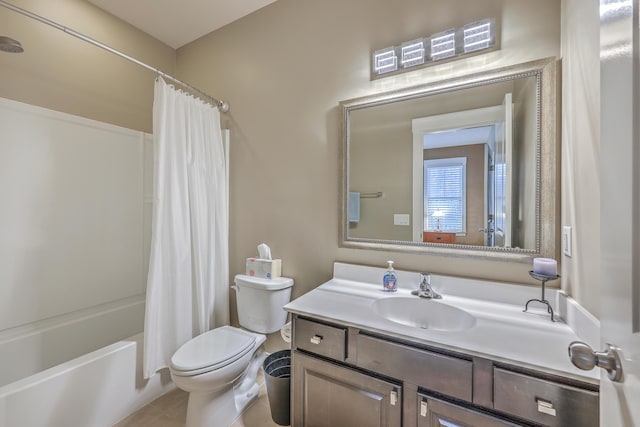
583 357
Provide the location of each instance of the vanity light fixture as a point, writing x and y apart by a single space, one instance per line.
412 53
443 45
385 60
478 35
472 37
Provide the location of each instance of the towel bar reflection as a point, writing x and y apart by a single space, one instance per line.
371 195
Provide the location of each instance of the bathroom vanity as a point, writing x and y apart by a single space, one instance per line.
363 357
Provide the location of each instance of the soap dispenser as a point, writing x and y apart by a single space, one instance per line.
390 280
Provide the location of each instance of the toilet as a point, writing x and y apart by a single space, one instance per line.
219 367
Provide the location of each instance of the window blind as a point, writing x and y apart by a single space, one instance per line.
444 186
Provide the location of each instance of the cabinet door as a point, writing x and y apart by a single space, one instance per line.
437 413
329 395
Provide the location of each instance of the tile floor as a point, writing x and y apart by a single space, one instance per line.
170 410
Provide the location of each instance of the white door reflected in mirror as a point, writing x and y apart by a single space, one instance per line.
462 177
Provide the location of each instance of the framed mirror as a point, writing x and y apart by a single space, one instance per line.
461 167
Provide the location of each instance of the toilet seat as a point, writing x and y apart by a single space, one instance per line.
211 350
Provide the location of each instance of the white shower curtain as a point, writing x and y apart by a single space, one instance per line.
187 286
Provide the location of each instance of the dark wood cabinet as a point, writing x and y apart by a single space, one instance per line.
439 413
329 395
348 377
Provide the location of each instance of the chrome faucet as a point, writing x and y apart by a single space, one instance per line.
425 290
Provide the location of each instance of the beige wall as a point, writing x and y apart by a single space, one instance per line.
60 72
285 68
581 149
380 161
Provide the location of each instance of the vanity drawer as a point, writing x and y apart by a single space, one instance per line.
318 338
546 402
438 237
437 372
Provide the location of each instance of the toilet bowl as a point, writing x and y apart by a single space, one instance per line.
218 368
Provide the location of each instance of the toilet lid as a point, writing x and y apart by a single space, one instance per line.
212 349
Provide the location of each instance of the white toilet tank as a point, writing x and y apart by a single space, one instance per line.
260 302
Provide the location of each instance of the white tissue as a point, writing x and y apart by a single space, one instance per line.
264 252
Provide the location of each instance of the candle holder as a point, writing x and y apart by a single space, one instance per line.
543 279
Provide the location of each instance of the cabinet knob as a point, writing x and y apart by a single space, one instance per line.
316 339
424 409
546 407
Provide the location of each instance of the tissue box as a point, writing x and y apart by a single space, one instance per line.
267 268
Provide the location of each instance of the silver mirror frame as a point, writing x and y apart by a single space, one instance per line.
547 163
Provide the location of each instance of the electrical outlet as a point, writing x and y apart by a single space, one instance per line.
566 240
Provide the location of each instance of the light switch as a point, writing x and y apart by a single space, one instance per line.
566 240
400 219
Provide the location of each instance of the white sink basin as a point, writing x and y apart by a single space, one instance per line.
424 313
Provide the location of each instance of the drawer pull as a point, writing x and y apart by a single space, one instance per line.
316 339
423 409
546 407
393 398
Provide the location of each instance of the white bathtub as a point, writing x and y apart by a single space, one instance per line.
77 371
73 268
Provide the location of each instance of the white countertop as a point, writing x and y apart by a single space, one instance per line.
502 331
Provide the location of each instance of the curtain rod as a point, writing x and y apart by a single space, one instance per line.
222 105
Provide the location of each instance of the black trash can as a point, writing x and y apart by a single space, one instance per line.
277 377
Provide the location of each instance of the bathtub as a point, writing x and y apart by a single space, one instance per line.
83 369
74 251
